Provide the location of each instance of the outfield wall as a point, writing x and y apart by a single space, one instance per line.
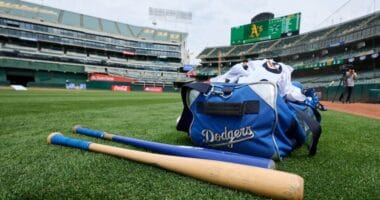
361 93
134 87
3 77
56 79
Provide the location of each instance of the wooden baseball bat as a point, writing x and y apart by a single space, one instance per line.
186 151
265 182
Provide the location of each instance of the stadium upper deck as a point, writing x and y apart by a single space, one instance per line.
34 32
324 47
39 14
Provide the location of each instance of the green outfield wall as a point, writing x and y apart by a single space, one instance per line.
361 93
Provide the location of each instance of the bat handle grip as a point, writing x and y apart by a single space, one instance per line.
58 138
88 132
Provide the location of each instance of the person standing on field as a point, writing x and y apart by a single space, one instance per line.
349 83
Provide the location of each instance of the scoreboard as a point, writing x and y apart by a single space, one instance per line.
266 30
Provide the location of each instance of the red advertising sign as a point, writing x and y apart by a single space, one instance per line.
153 89
109 78
124 88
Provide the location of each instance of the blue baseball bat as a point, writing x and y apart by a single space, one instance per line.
265 182
185 151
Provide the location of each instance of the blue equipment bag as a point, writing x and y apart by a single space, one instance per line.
247 118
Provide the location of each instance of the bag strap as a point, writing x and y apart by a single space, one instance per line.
314 125
186 117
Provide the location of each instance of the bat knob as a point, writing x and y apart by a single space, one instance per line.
51 135
74 129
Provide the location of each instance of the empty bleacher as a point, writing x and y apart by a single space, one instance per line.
315 35
348 27
19 48
287 42
222 50
94 69
261 47
50 51
374 21
73 54
241 49
206 51
117 60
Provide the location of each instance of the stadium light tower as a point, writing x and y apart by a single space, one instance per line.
173 17
374 5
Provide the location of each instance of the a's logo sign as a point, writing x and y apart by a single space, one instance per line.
256 31
227 137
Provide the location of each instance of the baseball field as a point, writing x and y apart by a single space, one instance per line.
345 167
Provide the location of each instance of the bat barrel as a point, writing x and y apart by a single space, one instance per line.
186 151
265 182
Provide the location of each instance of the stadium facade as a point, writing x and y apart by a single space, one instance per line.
317 56
44 46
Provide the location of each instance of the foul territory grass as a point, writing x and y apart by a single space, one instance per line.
346 166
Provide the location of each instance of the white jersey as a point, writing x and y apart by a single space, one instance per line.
267 70
263 72
234 74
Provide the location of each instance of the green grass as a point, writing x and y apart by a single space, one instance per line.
346 166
